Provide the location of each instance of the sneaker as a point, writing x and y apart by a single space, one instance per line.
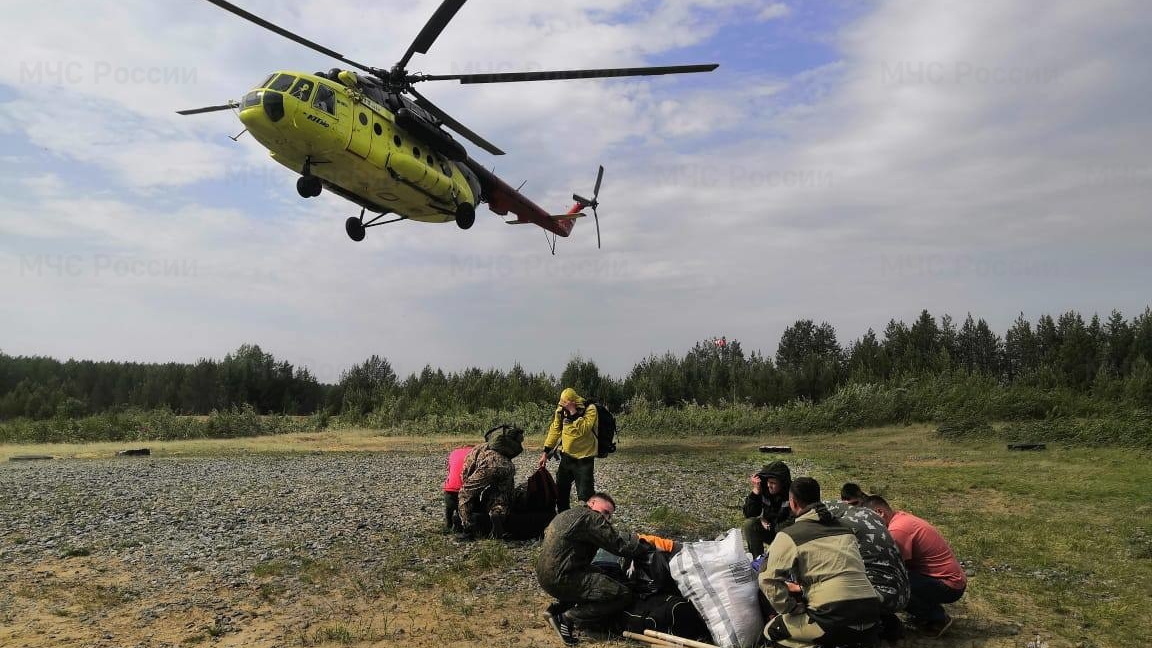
936 627
556 607
563 628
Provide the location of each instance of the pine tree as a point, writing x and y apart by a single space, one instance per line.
896 344
866 361
1118 339
1020 349
924 341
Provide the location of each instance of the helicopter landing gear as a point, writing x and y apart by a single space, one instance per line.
357 228
308 186
465 215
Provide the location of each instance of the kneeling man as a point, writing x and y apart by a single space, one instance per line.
585 596
815 580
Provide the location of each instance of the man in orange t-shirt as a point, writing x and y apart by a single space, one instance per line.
934 572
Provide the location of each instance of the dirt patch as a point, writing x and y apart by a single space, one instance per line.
97 602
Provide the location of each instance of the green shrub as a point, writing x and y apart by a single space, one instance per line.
151 425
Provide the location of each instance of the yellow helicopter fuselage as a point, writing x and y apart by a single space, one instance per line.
354 145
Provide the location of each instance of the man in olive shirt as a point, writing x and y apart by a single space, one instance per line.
815 579
573 430
585 596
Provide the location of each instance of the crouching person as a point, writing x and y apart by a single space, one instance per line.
882 561
766 506
815 580
452 484
585 596
489 483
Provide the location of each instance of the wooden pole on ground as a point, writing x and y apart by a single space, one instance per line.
651 641
680 641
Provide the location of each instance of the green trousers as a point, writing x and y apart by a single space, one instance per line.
578 471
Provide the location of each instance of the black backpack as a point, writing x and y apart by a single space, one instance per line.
533 507
605 431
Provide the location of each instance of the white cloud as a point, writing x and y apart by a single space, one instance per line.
774 11
952 157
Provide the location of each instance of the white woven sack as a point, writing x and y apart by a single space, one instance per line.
717 576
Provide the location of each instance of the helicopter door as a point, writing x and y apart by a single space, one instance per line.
361 141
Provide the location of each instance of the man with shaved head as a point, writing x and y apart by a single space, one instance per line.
934 573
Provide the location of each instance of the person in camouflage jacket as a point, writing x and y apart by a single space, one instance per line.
586 596
882 561
489 484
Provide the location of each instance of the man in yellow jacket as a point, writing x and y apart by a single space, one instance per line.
573 429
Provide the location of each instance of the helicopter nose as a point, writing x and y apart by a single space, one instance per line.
271 101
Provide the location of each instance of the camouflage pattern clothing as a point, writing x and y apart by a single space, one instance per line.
489 485
564 567
882 562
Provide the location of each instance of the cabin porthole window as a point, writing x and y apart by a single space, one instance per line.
416 152
376 129
363 119
396 141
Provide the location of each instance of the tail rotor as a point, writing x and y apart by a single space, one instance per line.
593 202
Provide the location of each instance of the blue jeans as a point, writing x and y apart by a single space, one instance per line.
927 595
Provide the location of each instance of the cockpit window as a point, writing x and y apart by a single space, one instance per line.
302 90
325 99
282 83
264 83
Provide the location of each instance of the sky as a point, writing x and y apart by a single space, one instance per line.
851 161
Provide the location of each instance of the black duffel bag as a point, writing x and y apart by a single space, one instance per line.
668 613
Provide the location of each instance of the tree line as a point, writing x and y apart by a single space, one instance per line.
1108 359
40 388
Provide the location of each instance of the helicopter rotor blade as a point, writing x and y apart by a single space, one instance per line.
581 200
596 217
456 126
432 29
596 189
272 27
207 109
555 75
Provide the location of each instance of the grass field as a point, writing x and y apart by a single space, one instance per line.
1059 540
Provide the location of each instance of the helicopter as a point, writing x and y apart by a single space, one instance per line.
371 138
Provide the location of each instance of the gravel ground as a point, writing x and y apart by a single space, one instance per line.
190 537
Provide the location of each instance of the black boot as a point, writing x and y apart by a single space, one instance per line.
891 628
452 512
497 527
